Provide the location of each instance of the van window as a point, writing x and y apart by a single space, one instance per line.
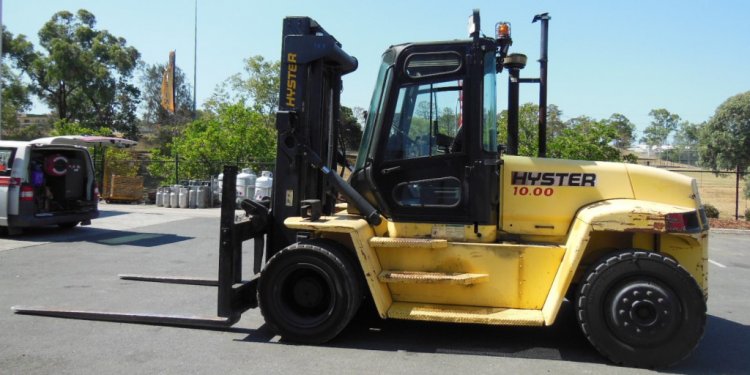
7 155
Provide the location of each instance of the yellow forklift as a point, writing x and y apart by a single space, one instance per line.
440 225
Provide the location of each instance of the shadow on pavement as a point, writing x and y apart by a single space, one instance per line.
101 236
723 350
111 213
561 341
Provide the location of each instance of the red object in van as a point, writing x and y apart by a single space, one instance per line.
56 165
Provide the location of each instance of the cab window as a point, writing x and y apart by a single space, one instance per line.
426 121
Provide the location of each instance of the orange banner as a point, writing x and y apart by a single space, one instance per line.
167 85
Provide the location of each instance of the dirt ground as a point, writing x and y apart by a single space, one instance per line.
729 224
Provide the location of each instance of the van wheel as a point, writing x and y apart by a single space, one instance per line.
68 225
309 291
641 309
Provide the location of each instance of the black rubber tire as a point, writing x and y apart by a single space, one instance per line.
641 309
68 225
309 291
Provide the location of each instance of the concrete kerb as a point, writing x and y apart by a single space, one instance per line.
729 231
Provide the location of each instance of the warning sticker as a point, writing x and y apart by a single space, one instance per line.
454 232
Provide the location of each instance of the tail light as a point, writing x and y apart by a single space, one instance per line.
27 193
686 222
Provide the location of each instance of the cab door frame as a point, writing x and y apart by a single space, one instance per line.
460 170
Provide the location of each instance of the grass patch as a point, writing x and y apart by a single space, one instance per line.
719 191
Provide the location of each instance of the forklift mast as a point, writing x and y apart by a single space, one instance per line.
312 63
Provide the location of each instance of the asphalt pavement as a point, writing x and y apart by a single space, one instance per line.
78 268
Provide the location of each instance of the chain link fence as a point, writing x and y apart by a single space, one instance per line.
724 190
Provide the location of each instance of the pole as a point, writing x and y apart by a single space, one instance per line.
195 58
513 100
543 59
737 196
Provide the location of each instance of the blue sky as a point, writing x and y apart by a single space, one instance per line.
605 56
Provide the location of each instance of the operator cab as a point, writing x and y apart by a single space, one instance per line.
429 150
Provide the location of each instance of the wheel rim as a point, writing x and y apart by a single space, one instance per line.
643 313
306 295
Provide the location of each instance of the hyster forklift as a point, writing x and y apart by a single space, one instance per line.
439 225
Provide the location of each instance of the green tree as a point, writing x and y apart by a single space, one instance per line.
157 124
580 138
65 127
586 139
528 127
236 134
662 126
351 130
686 144
84 74
725 139
257 87
624 128
15 94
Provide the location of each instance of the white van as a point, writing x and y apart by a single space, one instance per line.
49 181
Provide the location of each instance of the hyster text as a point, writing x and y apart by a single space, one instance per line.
553 179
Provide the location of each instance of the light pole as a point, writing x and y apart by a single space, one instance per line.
195 59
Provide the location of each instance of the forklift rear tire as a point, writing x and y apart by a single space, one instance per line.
309 291
641 309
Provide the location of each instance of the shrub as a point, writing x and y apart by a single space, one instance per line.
711 211
747 214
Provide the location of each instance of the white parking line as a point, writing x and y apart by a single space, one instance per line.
717 263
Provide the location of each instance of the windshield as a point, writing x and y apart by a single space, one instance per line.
374 113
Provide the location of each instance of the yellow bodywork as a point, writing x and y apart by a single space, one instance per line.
519 271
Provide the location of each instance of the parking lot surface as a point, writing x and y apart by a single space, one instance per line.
77 269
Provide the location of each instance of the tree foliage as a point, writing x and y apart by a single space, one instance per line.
65 127
586 139
528 127
662 126
15 94
726 136
351 130
236 134
84 73
581 138
257 87
624 128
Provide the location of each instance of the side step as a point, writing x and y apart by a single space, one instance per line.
428 243
432 277
465 314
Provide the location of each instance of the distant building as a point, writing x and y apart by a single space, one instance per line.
29 119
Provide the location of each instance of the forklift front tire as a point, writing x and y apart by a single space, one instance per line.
309 291
641 309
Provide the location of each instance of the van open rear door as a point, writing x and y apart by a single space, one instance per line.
85 141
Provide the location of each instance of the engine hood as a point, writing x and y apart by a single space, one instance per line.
657 185
542 196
